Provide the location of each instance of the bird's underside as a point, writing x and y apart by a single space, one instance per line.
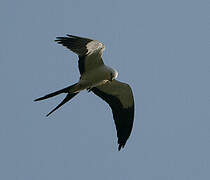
100 79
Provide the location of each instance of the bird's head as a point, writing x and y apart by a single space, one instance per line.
113 74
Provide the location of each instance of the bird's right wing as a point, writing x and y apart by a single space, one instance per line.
88 50
119 96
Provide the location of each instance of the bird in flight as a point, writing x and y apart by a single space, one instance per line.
100 79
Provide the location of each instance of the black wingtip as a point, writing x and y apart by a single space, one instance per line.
61 38
58 39
69 35
120 146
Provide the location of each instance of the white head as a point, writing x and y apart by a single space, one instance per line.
113 74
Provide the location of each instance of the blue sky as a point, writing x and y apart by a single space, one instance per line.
161 48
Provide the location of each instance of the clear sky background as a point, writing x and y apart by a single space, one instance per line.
161 48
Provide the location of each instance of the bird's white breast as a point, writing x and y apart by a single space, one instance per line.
96 76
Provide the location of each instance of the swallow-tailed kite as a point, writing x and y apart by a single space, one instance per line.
101 80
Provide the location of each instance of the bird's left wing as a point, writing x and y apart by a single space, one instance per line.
119 96
88 50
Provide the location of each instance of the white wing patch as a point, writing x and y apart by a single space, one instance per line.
95 46
88 50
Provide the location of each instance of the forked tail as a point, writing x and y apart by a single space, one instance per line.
68 97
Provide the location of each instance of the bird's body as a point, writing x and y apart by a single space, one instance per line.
97 76
100 79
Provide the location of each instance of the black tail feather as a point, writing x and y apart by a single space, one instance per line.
66 99
64 90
